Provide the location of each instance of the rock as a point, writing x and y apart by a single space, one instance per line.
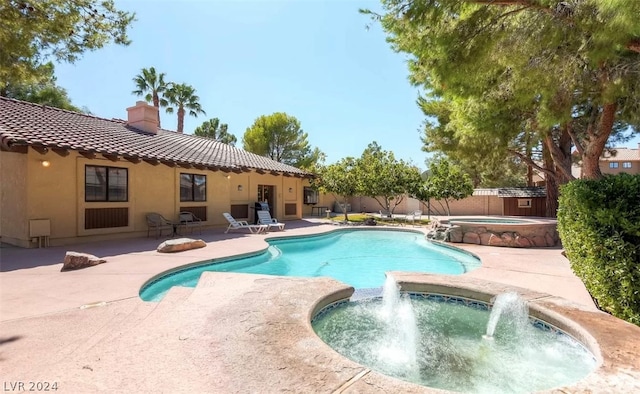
485 237
495 240
471 238
507 238
370 222
76 260
550 240
180 244
539 241
455 234
522 242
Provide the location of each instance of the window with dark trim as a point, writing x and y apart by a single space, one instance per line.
626 164
103 183
613 164
310 195
193 187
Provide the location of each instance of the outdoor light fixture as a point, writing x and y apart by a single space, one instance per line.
239 188
45 163
228 176
290 190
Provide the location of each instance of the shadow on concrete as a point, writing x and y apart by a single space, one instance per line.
14 258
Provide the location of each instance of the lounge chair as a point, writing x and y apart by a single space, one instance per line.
240 224
414 216
189 221
264 217
157 222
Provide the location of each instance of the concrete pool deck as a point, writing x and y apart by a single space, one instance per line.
88 331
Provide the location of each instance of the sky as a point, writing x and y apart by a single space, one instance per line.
316 60
313 59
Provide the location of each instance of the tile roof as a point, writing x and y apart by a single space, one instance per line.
621 154
523 192
39 126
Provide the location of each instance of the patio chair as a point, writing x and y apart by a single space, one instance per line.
414 216
189 221
264 217
241 224
157 223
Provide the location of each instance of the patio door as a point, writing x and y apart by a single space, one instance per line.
267 193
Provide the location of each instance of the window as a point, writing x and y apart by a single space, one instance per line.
193 187
524 203
626 164
310 195
106 183
613 164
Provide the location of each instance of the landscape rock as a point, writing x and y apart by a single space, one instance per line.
495 240
485 237
455 234
180 245
522 242
550 240
77 260
471 238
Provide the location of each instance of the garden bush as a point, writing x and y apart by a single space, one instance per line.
599 225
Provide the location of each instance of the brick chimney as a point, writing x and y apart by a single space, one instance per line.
143 117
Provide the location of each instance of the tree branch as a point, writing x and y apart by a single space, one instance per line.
530 162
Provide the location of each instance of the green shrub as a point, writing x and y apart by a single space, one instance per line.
599 225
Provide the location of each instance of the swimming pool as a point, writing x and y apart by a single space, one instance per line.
358 257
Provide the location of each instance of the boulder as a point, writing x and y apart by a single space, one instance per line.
455 234
495 240
76 260
507 238
471 238
485 237
180 244
539 241
550 240
522 242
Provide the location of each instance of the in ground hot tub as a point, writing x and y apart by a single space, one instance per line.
515 232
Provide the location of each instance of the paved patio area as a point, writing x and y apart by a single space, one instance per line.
88 331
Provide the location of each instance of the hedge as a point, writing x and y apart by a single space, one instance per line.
599 225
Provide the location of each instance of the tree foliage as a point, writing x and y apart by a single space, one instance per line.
182 97
43 91
35 32
446 182
553 71
339 179
213 129
384 178
152 86
280 137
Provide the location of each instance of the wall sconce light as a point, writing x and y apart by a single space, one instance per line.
45 163
290 190
228 176
239 188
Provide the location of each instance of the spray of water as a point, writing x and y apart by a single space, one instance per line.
508 305
400 343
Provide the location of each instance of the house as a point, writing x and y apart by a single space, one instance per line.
67 177
617 160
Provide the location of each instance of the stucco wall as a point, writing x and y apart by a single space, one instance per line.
13 198
474 205
31 191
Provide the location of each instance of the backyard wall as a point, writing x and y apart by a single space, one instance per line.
474 205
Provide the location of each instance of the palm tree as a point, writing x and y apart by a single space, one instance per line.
183 96
153 84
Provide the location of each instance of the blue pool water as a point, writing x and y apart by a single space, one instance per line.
359 258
